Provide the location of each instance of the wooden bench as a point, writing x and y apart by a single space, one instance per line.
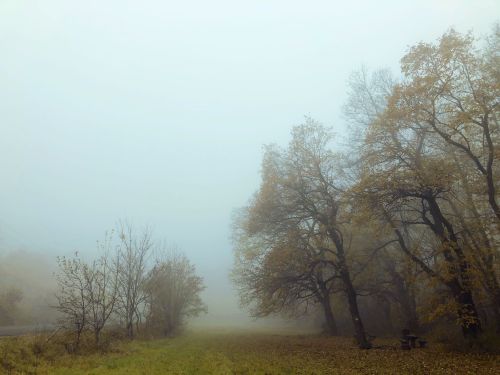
409 344
409 341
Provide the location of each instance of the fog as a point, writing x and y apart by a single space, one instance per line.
156 112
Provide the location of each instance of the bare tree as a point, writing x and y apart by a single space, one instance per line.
101 281
71 296
131 263
87 292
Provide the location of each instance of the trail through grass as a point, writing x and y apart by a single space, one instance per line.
264 353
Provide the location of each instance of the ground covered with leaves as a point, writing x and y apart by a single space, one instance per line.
219 352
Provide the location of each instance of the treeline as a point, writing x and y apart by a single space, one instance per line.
26 289
9 306
403 226
134 286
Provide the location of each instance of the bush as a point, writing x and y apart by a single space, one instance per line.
25 354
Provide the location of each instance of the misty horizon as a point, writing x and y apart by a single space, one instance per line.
158 115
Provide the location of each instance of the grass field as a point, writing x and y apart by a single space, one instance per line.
219 352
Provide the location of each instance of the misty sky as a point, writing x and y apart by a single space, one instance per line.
156 111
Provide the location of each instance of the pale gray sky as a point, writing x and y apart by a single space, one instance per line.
156 111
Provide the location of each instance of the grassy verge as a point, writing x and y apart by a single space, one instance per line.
262 353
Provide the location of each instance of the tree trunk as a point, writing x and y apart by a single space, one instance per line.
412 317
490 179
493 289
460 282
496 313
484 252
385 306
352 298
130 330
97 338
406 300
467 312
359 329
77 341
331 324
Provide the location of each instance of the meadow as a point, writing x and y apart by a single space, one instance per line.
242 352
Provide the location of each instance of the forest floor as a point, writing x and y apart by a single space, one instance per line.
224 352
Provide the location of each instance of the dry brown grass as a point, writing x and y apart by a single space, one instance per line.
240 352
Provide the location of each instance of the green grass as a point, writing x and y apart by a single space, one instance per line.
263 353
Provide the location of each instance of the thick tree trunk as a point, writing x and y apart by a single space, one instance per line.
467 312
406 300
359 329
490 178
496 312
343 271
493 289
460 282
412 317
479 241
331 324
350 291
385 306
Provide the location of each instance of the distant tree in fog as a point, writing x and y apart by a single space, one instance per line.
134 251
287 276
123 284
101 281
9 306
72 301
173 293
87 293
303 190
